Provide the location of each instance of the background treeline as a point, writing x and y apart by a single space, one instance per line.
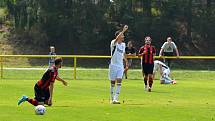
87 26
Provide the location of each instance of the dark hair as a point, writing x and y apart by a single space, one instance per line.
117 33
58 61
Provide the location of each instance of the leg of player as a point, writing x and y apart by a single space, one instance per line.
31 101
167 80
22 99
126 73
150 76
112 85
145 76
119 81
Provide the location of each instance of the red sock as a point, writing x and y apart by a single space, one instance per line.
33 102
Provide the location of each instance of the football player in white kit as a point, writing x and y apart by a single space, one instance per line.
116 67
164 72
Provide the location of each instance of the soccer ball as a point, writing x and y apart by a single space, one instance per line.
40 110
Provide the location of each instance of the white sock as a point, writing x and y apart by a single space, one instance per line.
117 91
112 91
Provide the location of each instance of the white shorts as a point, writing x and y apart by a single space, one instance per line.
115 72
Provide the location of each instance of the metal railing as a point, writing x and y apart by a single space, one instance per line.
75 57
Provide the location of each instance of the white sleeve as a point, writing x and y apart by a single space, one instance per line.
124 47
174 45
163 46
112 43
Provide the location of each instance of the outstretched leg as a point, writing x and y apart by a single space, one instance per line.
31 101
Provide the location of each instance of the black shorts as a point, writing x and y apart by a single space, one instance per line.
147 68
168 53
41 95
129 63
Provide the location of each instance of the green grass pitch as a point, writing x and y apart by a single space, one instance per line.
87 99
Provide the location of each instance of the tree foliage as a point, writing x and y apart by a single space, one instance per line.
87 26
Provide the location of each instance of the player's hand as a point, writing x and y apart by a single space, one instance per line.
139 55
125 28
64 83
126 68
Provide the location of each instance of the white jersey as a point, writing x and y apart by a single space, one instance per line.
168 47
157 66
117 53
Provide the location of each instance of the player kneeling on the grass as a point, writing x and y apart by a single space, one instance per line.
164 72
44 88
116 67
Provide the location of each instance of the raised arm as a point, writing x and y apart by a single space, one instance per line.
125 28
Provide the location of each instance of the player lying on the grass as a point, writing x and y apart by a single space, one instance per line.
44 88
164 72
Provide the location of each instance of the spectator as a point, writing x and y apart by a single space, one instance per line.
167 50
130 51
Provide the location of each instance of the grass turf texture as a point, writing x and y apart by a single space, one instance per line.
87 99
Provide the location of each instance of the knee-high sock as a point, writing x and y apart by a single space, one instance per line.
117 91
33 101
150 82
112 91
112 85
145 81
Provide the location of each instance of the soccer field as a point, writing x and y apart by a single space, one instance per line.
87 99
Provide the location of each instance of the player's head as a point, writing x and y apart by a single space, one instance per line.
130 44
121 37
148 40
58 62
52 49
169 39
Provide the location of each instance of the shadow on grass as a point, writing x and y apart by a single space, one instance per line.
60 106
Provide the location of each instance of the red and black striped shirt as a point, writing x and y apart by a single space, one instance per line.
48 77
147 52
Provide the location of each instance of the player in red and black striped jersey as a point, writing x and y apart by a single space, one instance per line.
147 52
44 88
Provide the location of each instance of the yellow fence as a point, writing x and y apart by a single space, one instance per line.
75 57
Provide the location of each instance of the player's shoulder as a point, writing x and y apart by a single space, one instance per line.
142 47
153 46
52 69
173 43
165 43
156 61
113 42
